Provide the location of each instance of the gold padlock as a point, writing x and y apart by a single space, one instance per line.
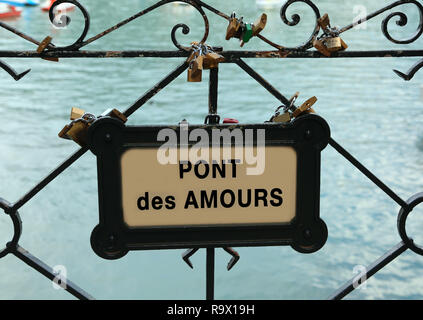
344 45
306 107
76 113
284 118
259 25
233 28
320 46
333 44
118 115
76 131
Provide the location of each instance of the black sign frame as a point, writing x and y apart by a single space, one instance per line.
113 239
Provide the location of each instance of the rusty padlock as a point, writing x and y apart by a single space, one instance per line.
194 71
234 27
43 45
211 60
259 25
330 41
321 47
324 21
198 62
194 74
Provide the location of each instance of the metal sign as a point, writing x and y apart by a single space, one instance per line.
212 185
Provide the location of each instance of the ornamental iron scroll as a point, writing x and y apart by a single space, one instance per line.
302 50
47 50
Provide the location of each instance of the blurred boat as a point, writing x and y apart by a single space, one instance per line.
181 7
269 4
21 3
7 11
46 5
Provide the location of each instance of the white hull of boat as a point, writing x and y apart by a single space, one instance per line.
269 4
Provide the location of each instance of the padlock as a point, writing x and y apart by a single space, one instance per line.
76 113
43 45
118 115
284 118
76 131
78 128
324 21
344 45
233 29
247 34
259 25
191 57
212 60
333 44
114 113
194 75
320 46
330 41
306 107
198 63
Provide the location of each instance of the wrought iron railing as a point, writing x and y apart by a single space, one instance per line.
47 50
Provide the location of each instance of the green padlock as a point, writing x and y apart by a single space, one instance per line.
248 33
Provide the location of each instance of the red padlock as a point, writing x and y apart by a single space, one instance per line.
229 120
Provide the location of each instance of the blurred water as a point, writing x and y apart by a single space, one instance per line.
372 113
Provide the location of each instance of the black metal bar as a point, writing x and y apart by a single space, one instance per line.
262 81
219 13
315 54
72 51
235 257
230 56
47 271
95 54
352 284
12 72
367 173
213 117
410 73
210 273
4 204
66 164
374 14
122 23
213 90
151 93
156 89
19 33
